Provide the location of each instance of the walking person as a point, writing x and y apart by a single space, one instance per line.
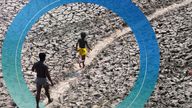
83 45
41 81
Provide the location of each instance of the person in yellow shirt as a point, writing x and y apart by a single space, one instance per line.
83 45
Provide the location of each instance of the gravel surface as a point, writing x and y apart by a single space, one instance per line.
108 79
150 6
174 33
9 8
58 30
56 37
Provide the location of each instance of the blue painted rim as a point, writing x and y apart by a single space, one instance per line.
144 34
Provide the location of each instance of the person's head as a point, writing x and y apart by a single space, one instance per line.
42 56
83 35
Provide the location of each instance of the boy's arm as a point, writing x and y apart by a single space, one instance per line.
48 76
77 44
88 46
33 68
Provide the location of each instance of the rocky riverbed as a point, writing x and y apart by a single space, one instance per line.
150 6
109 78
174 33
9 8
56 37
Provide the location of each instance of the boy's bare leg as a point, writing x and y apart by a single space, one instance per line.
46 87
83 59
38 95
79 61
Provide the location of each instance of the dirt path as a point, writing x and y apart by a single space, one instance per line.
63 86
